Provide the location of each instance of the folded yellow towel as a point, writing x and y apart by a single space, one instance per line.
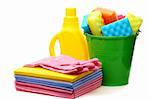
48 74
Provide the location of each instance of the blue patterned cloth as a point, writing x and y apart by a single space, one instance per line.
119 28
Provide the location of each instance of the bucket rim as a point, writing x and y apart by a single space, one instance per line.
110 37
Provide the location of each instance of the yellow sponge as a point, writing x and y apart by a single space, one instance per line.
47 74
95 22
135 22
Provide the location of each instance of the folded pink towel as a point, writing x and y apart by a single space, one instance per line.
66 64
20 86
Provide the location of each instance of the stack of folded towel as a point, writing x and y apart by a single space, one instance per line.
60 76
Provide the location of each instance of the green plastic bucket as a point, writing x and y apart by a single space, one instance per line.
115 53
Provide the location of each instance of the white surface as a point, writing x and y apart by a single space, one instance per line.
26 27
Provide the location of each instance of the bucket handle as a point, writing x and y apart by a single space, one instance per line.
138 32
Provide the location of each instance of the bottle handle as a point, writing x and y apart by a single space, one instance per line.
52 45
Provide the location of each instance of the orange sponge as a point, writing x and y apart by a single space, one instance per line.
109 16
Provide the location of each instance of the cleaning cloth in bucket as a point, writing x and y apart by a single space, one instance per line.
85 25
135 22
119 28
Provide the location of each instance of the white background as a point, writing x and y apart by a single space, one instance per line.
26 27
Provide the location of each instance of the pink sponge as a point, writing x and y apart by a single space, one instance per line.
120 17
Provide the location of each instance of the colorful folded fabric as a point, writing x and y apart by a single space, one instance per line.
47 91
59 88
48 74
55 88
48 82
60 84
66 64
39 90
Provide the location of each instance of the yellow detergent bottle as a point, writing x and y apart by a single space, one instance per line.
71 39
